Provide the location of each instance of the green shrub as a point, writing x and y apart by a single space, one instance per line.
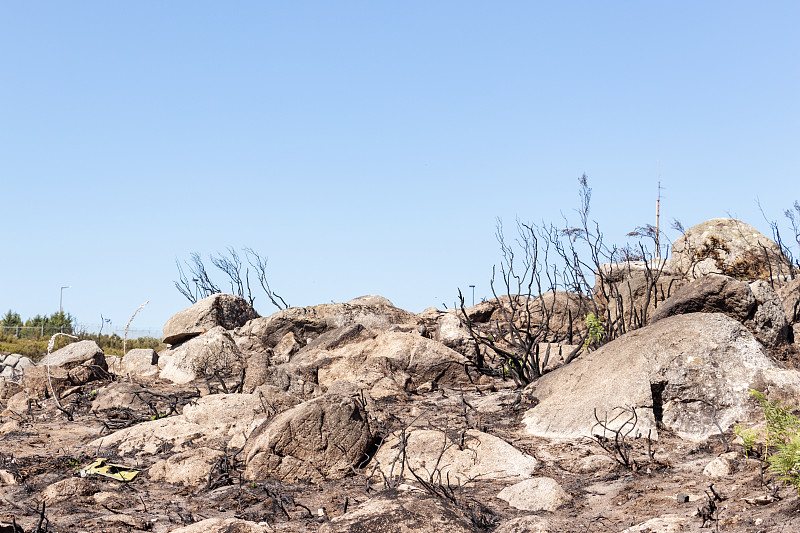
782 440
594 324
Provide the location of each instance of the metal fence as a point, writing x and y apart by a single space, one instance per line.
48 331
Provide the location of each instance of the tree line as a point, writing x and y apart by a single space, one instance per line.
37 326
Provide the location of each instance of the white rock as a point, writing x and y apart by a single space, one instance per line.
537 494
719 467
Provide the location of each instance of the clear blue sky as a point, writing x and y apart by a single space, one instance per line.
367 147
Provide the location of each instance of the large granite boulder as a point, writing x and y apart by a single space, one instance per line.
681 371
724 246
755 304
139 362
224 310
317 440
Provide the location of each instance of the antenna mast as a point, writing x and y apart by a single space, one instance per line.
658 211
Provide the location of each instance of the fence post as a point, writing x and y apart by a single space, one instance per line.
42 330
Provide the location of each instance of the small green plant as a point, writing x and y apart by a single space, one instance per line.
782 440
594 325
748 436
156 417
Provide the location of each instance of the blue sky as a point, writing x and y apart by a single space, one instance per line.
368 147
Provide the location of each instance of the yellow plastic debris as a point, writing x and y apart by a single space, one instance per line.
102 468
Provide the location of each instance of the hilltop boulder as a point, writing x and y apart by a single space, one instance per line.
724 246
224 310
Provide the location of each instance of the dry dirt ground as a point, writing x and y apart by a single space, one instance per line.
42 446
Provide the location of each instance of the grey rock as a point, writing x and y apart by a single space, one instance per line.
81 353
215 351
525 524
316 440
714 293
23 363
756 305
371 300
224 310
223 525
768 322
536 494
789 294
635 288
141 362
308 323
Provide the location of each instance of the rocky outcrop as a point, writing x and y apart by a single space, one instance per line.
789 294
471 455
385 363
213 352
676 371
724 246
225 310
561 313
756 305
307 323
317 440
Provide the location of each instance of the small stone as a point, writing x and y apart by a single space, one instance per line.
425 388
719 467
7 478
683 498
